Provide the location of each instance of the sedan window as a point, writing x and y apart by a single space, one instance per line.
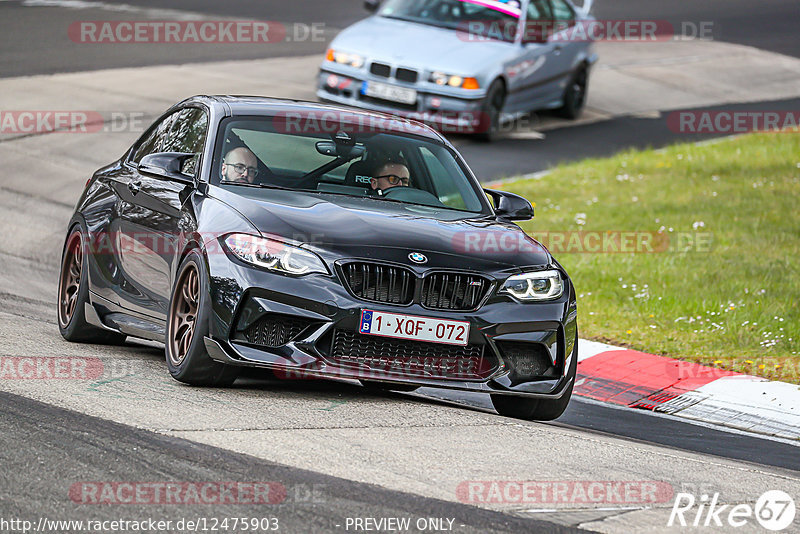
154 140
188 134
562 10
539 10
370 164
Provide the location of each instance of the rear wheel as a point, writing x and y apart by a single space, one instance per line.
575 95
73 295
491 113
538 409
187 325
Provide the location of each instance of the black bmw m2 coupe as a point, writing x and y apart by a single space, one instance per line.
318 241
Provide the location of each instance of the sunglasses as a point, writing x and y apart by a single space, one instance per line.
394 179
241 167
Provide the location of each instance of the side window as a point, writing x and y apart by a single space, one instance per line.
155 140
445 187
188 134
562 10
539 22
539 10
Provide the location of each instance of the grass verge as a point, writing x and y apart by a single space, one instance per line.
722 284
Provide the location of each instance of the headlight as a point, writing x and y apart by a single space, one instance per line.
353 60
274 255
440 78
540 285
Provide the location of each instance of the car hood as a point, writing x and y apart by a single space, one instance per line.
420 46
341 226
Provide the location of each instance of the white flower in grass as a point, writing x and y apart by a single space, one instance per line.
698 224
580 219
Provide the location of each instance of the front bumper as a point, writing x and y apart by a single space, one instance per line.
518 349
441 109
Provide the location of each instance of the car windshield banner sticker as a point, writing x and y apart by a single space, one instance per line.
509 7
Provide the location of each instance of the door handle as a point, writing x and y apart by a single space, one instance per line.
135 187
557 49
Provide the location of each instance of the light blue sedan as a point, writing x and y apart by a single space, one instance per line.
462 65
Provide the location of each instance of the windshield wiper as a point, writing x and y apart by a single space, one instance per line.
424 22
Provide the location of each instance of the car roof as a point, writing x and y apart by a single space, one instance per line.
268 106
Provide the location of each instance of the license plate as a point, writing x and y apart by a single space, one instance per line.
389 92
402 326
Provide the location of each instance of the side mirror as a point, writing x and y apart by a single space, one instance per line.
509 206
372 5
168 165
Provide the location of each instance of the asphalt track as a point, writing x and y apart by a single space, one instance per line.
61 445
35 40
144 427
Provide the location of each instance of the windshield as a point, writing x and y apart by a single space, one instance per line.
477 16
311 153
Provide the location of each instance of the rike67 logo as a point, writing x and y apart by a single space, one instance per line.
774 510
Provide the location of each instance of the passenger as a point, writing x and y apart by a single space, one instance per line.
240 165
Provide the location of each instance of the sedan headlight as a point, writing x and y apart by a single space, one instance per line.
440 78
274 255
353 60
540 285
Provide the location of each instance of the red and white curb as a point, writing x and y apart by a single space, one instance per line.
684 389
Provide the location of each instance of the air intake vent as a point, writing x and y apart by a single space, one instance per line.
379 356
527 361
274 330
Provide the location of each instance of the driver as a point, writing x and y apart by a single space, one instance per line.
390 174
240 165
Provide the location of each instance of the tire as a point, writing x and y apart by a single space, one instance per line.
385 386
575 95
187 325
73 295
538 409
492 108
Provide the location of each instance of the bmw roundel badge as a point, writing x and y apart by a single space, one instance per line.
416 257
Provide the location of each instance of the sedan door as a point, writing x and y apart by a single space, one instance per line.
151 219
536 78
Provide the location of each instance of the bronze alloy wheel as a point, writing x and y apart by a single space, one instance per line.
70 283
183 316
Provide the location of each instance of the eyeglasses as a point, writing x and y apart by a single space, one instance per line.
394 179
241 167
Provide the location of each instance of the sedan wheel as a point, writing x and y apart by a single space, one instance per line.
187 326
492 110
73 296
70 279
184 315
575 95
